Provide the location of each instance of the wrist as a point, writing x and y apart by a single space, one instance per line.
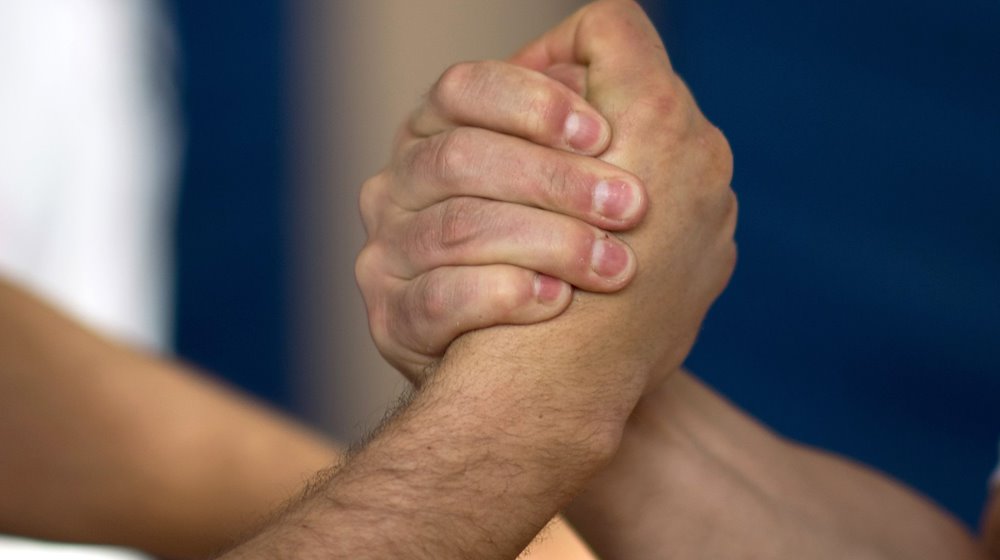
685 455
533 406
459 442
582 399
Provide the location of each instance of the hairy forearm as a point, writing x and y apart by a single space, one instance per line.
517 419
104 444
697 478
473 467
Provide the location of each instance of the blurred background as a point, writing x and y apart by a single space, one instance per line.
194 167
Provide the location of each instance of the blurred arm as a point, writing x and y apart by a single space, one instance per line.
697 478
991 523
102 444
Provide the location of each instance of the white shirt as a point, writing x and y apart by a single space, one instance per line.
87 162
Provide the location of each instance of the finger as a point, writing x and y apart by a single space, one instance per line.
613 38
629 78
467 231
573 76
481 163
513 100
435 308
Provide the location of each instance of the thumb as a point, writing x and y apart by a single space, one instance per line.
614 39
573 76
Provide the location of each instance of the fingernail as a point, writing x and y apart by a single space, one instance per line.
616 199
547 288
609 258
583 131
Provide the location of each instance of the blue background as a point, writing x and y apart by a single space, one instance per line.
864 315
232 240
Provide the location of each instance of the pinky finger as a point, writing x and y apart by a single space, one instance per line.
437 307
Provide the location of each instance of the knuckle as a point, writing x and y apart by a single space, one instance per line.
732 210
558 184
732 257
705 203
720 154
436 236
436 300
509 293
375 293
421 162
449 156
367 267
370 201
452 85
458 223
404 318
727 263
662 115
378 326
712 196
657 107
546 113
668 104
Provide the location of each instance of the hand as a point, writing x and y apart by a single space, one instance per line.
512 423
621 342
488 210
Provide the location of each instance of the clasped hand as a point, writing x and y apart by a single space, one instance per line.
580 167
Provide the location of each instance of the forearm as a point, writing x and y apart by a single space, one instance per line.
473 467
697 478
102 444
218 464
517 419
991 522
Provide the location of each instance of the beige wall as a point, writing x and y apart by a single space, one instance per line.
362 65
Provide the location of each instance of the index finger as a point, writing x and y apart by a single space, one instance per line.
513 100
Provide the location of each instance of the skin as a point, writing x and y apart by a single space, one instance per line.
521 417
444 249
197 487
106 445
991 524
201 487
102 444
688 459
682 159
183 466
692 468
229 460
